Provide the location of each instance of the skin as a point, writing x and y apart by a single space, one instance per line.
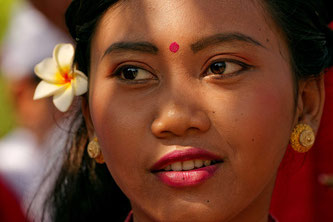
245 115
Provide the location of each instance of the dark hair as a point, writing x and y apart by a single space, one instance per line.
305 27
84 190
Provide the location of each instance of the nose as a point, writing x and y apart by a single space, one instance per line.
179 119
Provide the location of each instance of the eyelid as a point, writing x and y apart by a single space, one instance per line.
131 64
232 57
209 62
117 73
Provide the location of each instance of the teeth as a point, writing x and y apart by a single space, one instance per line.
198 163
207 162
188 165
176 166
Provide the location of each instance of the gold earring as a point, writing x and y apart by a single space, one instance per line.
94 151
302 138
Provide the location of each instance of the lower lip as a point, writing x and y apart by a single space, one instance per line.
187 178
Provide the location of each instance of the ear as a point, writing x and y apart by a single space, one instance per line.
87 118
311 98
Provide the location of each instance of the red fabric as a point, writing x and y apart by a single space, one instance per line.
298 195
10 209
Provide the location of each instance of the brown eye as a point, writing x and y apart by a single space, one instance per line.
218 67
132 73
224 68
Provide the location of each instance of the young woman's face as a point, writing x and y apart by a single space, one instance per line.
225 95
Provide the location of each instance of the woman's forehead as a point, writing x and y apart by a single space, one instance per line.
184 22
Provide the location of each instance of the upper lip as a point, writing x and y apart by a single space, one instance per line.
183 155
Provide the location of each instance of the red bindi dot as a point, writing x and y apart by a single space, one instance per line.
174 47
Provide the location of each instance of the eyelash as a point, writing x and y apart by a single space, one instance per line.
118 72
243 68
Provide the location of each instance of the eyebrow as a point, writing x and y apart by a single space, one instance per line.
145 47
222 38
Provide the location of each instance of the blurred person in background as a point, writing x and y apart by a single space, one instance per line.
53 10
26 151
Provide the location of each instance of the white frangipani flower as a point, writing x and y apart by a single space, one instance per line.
59 78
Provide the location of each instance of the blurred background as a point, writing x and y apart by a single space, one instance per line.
7 121
54 12
32 133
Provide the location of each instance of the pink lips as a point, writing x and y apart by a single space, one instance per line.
189 177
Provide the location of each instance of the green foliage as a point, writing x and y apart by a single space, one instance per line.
6 111
4 15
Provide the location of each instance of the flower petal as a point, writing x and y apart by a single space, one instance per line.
48 70
80 83
45 89
64 55
63 99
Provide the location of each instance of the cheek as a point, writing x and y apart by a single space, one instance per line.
255 112
255 122
265 115
122 130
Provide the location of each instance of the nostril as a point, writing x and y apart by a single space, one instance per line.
193 130
165 133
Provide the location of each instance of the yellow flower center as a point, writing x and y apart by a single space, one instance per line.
66 75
